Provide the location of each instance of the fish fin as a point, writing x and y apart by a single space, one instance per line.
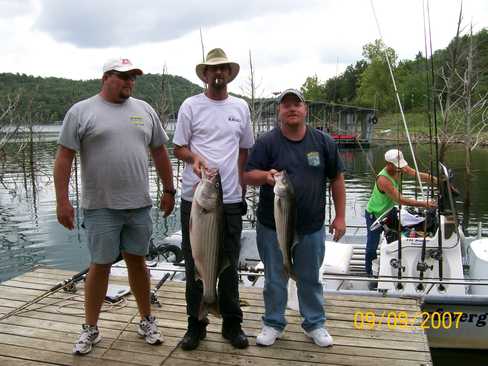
293 276
291 272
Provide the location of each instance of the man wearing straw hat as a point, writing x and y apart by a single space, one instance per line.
214 130
384 196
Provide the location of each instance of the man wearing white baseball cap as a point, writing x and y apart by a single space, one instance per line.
113 133
386 194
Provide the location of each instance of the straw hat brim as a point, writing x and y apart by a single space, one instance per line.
234 69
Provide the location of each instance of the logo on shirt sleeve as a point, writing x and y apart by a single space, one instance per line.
313 158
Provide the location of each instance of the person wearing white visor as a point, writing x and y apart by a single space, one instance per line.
385 195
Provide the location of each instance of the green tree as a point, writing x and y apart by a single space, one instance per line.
375 85
313 89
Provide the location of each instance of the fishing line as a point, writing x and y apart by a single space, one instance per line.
398 100
440 233
422 266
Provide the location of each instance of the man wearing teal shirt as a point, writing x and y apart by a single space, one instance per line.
385 195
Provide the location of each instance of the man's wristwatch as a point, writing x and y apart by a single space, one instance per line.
170 191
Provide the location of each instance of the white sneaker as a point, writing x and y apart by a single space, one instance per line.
268 336
148 329
89 336
321 337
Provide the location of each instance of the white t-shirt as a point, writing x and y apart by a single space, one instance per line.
214 130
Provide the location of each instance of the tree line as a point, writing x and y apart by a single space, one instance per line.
368 83
46 100
365 83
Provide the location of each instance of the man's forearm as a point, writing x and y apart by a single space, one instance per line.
183 153
338 190
62 174
241 163
255 177
163 166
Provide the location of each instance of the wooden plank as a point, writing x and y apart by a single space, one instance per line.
66 348
131 307
169 321
45 336
9 361
269 356
248 291
185 362
49 357
256 307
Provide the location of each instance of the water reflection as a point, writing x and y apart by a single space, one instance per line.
30 234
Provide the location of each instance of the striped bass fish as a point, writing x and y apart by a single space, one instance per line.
206 237
285 218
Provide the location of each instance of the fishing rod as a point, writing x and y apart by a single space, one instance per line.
400 267
154 298
66 284
434 109
59 286
422 265
397 94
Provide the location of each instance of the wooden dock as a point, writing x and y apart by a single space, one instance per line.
44 335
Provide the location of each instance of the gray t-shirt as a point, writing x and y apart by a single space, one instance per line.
113 141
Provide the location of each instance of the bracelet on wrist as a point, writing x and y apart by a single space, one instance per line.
170 191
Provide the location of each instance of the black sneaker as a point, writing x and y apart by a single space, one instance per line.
197 331
235 335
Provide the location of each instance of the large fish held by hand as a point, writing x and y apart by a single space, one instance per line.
285 218
206 238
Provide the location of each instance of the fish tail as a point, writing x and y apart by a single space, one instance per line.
202 311
206 308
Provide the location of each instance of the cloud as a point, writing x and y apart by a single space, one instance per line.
108 23
14 8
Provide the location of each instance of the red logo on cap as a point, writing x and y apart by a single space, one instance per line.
125 61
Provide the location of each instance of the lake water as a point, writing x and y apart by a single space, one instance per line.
30 234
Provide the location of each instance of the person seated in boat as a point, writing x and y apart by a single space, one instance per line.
385 195
310 158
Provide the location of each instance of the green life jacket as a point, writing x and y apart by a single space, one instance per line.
380 201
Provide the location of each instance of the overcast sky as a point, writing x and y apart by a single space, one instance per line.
289 39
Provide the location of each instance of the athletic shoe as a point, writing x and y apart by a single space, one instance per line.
89 336
148 329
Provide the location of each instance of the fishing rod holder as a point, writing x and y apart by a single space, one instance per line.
435 254
395 263
424 267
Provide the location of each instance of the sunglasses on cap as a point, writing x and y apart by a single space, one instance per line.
124 75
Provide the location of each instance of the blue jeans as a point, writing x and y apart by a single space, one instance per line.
373 239
308 255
